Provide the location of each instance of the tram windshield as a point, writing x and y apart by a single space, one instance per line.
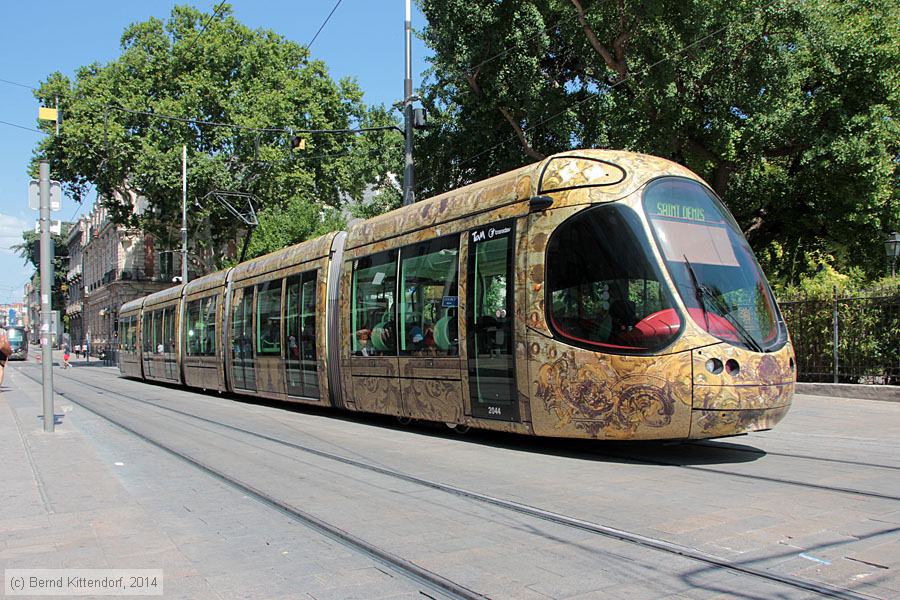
16 337
712 265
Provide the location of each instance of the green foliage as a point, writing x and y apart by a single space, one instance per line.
868 328
788 109
283 226
29 250
210 69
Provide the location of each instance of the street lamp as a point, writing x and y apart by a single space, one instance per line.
892 249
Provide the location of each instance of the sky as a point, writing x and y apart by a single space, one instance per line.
363 39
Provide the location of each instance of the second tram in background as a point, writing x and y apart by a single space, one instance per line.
596 294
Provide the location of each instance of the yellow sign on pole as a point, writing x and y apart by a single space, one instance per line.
47 114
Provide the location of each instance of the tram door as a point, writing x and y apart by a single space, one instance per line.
242 339
489 319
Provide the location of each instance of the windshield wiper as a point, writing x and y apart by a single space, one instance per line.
703 293
697 292
722 308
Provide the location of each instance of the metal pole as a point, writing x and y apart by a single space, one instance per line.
408 194
834 314
184 254
46 287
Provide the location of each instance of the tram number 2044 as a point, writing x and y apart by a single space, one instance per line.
495 410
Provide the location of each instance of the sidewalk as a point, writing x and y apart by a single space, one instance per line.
35 355
91 496
64 507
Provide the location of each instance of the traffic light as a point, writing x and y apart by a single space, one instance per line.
298 143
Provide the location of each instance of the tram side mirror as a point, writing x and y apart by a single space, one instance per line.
539 203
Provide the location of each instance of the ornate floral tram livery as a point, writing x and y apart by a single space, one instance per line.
595 294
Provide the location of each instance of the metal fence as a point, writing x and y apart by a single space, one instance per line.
853 336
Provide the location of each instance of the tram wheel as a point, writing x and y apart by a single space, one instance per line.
404 420
458 428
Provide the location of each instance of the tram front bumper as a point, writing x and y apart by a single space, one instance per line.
755 397
731 410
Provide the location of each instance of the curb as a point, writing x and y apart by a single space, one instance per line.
858 391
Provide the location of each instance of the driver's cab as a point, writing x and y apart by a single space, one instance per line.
608 292
605 291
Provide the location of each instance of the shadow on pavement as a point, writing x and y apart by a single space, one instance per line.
677 452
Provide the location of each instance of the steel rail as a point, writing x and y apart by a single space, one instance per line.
406 568
841 461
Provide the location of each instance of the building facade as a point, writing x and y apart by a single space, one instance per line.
17 311
117 265
75 281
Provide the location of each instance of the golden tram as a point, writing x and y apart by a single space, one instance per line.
596 294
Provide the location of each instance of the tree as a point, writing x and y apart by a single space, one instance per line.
788 109
208 69
30 251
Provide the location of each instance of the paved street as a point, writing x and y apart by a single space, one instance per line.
817 500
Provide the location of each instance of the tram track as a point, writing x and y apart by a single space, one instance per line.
756 477
593 454
408 569
411 570
840 461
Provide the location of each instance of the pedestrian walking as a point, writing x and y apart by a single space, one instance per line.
5 352
66 356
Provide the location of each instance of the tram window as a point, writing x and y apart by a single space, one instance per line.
429 276
131 340
200 327
268 318
300 329
712 265
123 334
169 330
308 317
157 332
147 333
192 326
292 317
604 289
373 311
208 331
240 325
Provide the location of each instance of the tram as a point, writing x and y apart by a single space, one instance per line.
595 294
18 341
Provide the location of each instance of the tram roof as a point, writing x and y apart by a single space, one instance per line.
163 296
610 174
206 283
132 305
286 257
